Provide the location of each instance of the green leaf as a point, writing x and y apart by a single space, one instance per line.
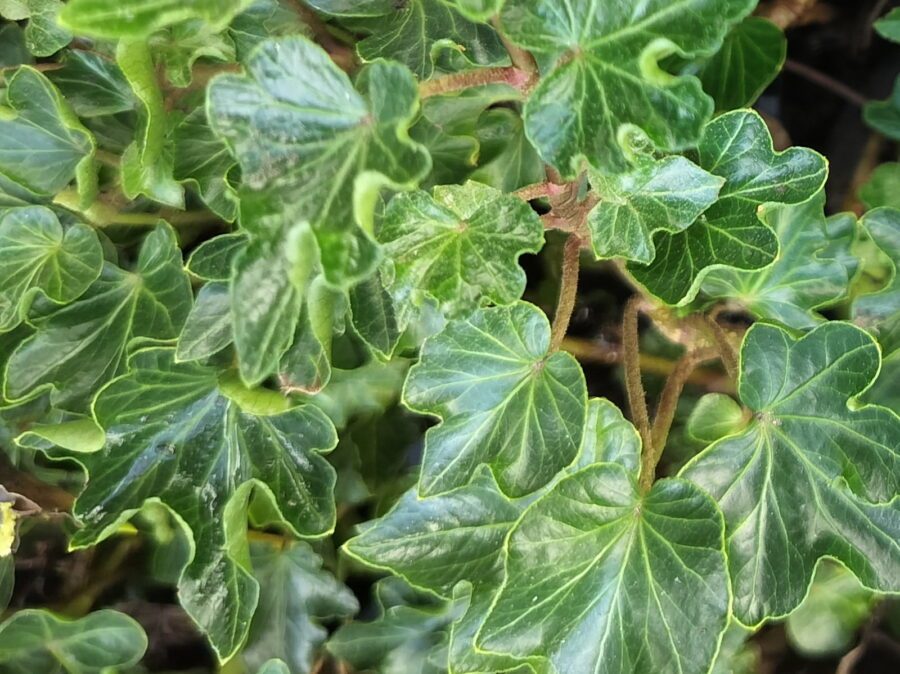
180 46
604 74
714 416
882 187
80 346
737 654
459 246
191 437
295 595
602 578
504 401
137 18
810 476
478 10
7 580
420 34
13 51
309 142
888 26
506 158
43 146
264 19
667 195
207 329
810 272
884 116
214 259
274 666
879 312
38 641
825 624
202 160
147 165
374 316
749 59
41 258
43 36
92 84
737 147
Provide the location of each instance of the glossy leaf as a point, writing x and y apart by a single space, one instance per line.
374 316
322 151
883 187
888 26
207 329
459 246
503 399
39 641
811 271
668 195
213 259
92 84
296 594
737 147
42 258
602 578
202 160
263 19
80 346
137 18
749 59
879 312
604 73
810 476
43 146
714 416
43 35
884 116
191 437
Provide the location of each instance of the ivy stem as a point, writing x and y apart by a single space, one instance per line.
107 158
665 411
521 58
568 291
726 350
538 190
634 387
826 82
511 75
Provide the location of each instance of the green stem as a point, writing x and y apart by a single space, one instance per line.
568 291
634 387
101 214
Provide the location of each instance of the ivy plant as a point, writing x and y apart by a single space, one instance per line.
289 294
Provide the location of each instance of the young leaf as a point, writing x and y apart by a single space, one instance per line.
207 329
811 270
714 416
41 258
196 440
604 73
43 146
459 246
80 346
138 18
749 59
503 399
667 195
38 641
810 476
341 144
879 312
737 147
416 32
295 595
602 578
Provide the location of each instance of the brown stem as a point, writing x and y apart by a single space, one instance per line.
538 190
726 348
665 413
521 58
634 387
568 291
467 79
827 82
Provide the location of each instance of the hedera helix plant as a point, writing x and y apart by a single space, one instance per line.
249 249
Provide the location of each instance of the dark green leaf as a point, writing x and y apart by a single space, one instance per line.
202 159
214 259
879 312
374 316
883 187
507 160
884 116
43 36
207 329
263 19
93 84
810 476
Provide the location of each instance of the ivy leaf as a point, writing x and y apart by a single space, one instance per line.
810 476
274 666
295 595
202 160
883 187
459 246
374 316
888 26
214 259
38 641
879 312
146 164
602 578
13 51
506 158
193 438
604 74
79 346
263 19
92 84
714 416
207 329
43 145
503 399
884 116
737 147
417 33
810 271
478 10
667 195
40 258
341 146
43 36
749 59
180 46
113 19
